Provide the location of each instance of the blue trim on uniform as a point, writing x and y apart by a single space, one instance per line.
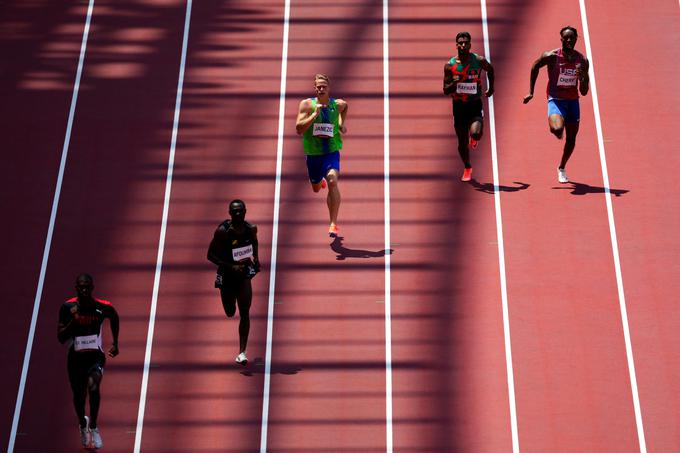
569 109
319 166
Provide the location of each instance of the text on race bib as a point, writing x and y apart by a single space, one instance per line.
566 80
87 343
323 130
242 253
466 88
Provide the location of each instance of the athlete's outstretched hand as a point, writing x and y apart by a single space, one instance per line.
527 98
113 350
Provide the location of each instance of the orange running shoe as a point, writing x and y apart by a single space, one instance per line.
467 175
333 230
473 143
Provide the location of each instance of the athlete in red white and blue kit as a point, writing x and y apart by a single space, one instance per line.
80 325
567 76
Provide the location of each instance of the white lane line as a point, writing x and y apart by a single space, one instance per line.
161 240
389 441
501 250
612 233
50 231
275 229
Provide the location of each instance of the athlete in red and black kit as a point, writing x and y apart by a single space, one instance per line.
463 83
80 324
234 250
567 77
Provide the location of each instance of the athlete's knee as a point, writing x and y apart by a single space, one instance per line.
332 178
557 130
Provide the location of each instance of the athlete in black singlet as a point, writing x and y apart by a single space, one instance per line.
80 324
234 250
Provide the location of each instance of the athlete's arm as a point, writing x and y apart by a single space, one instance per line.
66 317
115 328
484 63
217 244
449 81
538 64
306 116
256 257
583 77
342 108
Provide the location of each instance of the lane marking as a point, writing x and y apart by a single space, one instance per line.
389 437
612 234
161 240
275 229
501 250
50 231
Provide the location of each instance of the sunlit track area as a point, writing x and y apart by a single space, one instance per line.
511 312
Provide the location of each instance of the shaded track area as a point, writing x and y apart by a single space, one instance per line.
328 373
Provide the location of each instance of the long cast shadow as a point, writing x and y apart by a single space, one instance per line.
579 188
488 187
344 253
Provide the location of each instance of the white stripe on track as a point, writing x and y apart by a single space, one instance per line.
275 229
501 250
50 231
612 234
161 240
389 438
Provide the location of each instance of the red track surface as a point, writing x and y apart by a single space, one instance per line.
327 392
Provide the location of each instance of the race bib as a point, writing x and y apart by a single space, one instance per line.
323 130
242 253
567 80
87 343
466 88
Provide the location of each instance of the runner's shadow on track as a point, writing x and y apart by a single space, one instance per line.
487 187
257 367
578 188
344 253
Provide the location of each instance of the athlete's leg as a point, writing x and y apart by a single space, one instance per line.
569 144
228 296
245 298
556 124
463 150
476 129
78 387
333 197
93 382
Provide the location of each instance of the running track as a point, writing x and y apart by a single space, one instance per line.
449 388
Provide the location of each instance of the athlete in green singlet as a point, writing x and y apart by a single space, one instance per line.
320 121
463 83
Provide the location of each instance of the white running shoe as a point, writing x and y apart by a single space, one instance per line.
85 437
562 176
242 359
97 438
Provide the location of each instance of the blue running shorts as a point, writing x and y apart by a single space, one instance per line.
569 109
319 166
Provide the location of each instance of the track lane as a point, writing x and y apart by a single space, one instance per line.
40 43
198 398
447 318
642 158
109 215
573 391
328 360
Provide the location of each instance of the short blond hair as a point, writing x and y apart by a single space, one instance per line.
323 77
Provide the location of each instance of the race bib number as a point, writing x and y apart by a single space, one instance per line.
87 343
323 130
242 253
567 80
466 88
